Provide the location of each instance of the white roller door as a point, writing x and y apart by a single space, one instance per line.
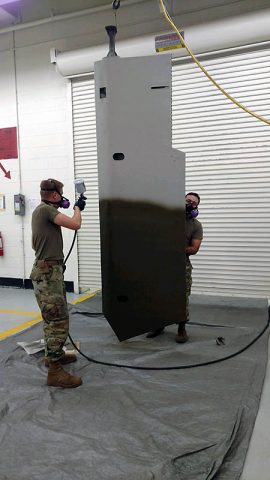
227 163
85 157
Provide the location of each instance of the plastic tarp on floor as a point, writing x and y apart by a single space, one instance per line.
193 423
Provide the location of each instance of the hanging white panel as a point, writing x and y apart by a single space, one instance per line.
142 196
85 157
227 163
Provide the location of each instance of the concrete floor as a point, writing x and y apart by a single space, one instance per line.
19 310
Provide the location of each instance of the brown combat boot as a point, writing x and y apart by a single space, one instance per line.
182 336
64 360
57 377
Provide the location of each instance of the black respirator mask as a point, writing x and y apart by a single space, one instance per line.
191 212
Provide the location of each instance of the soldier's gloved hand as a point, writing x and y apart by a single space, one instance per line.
81 202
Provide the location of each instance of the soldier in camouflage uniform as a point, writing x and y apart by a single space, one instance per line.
48 280
194 236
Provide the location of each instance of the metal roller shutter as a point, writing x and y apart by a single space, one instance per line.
227 154
227 163
85 158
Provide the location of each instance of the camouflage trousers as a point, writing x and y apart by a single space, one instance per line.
188 288
49 288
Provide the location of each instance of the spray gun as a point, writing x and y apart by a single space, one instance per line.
80 189
80 186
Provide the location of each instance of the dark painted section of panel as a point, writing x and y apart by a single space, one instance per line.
143 266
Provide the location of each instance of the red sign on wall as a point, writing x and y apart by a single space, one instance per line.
8 143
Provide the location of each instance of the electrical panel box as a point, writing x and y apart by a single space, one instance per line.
19 204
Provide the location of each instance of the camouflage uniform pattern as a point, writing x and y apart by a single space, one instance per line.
194 230
188 286
49 288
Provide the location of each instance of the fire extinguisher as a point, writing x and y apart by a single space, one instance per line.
1 246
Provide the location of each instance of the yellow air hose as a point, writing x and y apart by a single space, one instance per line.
168 18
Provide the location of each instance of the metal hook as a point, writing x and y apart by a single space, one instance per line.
116 4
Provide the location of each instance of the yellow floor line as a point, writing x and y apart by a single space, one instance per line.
84 297
17 312
23 326
20 327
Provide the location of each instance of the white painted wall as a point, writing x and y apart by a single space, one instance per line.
43 109
43 106
45 136
11 264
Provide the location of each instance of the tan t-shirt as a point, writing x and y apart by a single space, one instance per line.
47 238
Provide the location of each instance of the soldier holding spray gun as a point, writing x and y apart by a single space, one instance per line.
48 275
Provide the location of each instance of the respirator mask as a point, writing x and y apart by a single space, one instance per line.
63 203
191 211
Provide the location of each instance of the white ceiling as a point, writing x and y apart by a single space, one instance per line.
23 11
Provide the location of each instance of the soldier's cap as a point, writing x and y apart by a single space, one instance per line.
51 185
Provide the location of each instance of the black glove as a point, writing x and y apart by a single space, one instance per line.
80 202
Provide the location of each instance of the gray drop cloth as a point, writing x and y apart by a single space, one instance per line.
125 424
